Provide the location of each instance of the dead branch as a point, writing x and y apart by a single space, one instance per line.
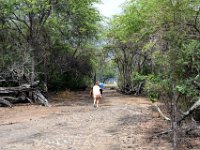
190 110
39 98
7 90
21 88
161 113
161 133
22 93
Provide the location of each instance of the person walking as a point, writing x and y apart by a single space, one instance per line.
96 94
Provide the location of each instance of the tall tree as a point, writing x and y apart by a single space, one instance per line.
35 30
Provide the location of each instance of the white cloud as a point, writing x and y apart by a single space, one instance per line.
110 7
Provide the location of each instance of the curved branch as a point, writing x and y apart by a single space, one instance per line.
161 113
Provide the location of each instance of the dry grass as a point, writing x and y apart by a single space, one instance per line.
67 94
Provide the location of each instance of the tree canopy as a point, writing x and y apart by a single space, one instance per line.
155 46
50 39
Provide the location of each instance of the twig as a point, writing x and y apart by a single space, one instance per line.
161 133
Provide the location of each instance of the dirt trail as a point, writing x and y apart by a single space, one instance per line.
121 122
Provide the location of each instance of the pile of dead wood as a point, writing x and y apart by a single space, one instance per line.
16 88
136 90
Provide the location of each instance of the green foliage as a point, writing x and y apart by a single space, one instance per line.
105 70
138 77
47 38
158 43
68 81
154 85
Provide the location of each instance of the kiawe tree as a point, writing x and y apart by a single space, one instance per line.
128 35
157 44
78 31
48 37
49 40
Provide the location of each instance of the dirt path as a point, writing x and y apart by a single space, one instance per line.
121 122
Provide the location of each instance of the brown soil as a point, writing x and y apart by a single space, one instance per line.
121 122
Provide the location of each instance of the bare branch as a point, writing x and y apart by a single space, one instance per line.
190 110
161 113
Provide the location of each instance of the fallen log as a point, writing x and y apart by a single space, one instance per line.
11 95
39 98
15 88
9 90
5 102
21 88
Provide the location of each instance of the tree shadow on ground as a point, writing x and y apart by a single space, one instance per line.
128 120
137 129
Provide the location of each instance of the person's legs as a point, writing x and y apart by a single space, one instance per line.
97 102
98 99
94 100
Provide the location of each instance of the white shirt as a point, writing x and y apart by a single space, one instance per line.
96 90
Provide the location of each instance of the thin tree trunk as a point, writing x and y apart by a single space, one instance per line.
33 70
174 122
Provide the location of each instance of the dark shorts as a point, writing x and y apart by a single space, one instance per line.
101 91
